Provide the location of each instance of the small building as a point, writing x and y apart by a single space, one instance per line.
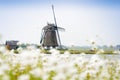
12 44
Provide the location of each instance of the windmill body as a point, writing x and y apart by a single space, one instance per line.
49 38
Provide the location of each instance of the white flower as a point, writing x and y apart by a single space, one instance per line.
2 49
105 75
54 52
2 72
5 77
37 72
95 58
66 53
116 52
4 67
100 51
32 47
24 77
75 66
60 76
20 49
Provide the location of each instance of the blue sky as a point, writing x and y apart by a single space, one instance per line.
84 20
106 2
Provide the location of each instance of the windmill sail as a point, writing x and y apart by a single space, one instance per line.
42 35
60 29
56 25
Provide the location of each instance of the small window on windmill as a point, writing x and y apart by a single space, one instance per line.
11 45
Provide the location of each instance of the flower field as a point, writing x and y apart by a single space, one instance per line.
32 64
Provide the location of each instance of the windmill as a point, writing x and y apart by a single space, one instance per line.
50 36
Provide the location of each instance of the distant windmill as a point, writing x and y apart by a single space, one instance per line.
50 35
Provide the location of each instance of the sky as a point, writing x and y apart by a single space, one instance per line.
84 20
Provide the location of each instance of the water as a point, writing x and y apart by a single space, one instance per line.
89 56
110 56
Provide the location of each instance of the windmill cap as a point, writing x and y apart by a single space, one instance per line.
48 26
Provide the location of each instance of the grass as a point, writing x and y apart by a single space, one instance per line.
73 51
88 52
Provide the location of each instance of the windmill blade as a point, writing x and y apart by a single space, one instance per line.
42 36
61 29
54 15
56 25
41 40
